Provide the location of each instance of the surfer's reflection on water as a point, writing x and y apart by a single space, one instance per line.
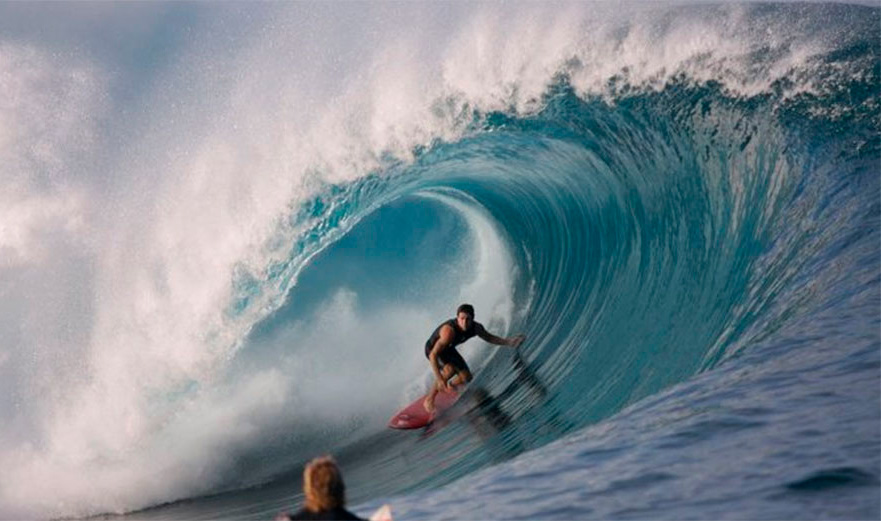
484 411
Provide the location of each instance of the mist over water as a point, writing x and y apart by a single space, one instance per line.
225 238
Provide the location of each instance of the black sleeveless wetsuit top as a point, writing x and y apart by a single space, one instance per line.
450 355
459 335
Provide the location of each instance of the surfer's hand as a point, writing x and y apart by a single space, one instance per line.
517 340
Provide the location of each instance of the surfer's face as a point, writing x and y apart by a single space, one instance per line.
464 320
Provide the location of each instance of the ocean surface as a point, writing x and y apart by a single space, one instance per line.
225 247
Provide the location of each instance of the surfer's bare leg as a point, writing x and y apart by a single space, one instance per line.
446 372
429 400
463 376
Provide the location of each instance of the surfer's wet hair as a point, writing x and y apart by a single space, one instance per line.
466 308
323 485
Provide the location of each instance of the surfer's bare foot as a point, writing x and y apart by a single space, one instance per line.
429 405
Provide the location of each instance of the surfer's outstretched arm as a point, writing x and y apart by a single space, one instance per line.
513 341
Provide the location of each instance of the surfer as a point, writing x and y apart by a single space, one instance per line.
450 369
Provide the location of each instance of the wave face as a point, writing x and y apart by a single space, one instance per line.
656 196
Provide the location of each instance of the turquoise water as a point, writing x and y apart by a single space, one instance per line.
695 265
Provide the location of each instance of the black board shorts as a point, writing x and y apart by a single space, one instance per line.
449 356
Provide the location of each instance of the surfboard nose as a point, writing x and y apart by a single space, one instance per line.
401 421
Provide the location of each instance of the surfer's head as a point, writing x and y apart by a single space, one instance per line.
323 485
465 316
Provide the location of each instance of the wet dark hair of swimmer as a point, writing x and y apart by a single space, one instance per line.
325 492
466 308
323 485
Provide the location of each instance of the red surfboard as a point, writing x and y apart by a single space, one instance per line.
415 416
